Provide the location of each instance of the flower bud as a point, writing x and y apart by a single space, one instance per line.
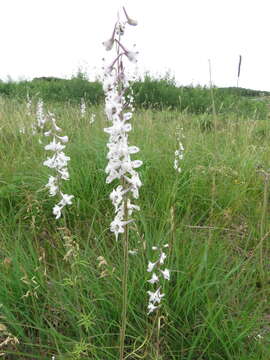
108 44
130 21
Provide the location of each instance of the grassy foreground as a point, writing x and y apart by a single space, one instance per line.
60 291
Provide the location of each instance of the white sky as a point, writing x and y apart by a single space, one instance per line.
56 37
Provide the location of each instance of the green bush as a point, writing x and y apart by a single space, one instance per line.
149 92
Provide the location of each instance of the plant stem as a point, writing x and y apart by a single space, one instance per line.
158 335
124 287
262 224
173 228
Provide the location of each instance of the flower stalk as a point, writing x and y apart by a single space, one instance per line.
119 110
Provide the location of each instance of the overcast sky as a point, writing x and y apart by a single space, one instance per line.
56 37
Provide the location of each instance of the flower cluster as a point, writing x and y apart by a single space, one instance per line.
92 119
179 153
40 118
82 107
58 162
156 269
119 109
28 104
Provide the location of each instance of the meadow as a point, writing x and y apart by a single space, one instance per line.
60 295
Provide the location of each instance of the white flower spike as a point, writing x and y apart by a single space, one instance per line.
58 162
156 297
119 112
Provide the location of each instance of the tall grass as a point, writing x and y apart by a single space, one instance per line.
215 305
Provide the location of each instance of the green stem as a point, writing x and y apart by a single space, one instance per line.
124 288
262 224
157 335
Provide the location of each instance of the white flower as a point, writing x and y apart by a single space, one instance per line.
132 22
112 176
108 44
53 122
117 227
53 188
132 207
57 211
48 133
151 266
50 162
165 273
176 166
135 183
258 337
107 84
127 116
64 173
151 307
54 146
136 163
153 279
66 199
92 119
155 297
64 139
135 180
133 252
132 56
162 258
133 149
62 159
116 196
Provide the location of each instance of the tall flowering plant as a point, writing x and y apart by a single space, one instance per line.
119 110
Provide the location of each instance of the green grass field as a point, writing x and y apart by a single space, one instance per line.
60 292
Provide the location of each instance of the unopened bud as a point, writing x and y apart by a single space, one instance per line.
130 21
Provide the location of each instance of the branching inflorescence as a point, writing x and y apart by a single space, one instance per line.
58 162
119 109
